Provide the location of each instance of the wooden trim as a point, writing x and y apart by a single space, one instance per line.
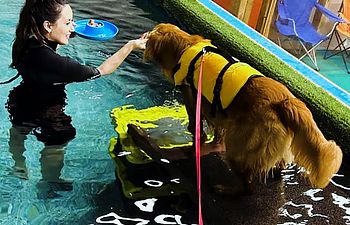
248 11
271 13
242 9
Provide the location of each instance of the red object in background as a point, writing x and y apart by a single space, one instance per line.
255 12
226 4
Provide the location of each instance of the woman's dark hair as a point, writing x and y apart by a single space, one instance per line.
31 19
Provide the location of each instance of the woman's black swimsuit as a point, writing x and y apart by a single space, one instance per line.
38 102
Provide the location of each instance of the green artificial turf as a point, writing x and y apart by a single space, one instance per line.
332 117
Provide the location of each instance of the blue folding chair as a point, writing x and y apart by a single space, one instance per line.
293 23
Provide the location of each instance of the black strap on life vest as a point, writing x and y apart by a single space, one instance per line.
216 104
217 89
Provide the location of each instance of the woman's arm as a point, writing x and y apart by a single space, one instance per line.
44 66
113 62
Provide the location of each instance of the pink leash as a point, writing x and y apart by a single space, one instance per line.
198 140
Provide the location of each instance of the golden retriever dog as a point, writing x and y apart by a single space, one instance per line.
264 126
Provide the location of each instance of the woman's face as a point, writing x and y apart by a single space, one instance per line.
61 30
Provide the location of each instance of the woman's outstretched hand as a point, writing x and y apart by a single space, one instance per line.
113 62
141 42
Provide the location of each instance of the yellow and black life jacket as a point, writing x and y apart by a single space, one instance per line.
222 76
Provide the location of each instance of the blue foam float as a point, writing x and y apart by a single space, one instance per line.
95 29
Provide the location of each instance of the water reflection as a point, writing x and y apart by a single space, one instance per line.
311 193
339 184
314 206
343 203
113 218
307 207
51 161
146 205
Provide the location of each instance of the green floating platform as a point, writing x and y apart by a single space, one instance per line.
164 124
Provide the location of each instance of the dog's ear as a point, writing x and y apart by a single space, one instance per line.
166 43
166 48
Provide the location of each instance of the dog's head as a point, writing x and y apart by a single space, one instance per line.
165 45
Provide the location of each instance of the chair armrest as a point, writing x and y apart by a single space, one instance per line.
282 15
330 15
281 11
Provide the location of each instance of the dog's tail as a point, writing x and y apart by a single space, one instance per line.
321 158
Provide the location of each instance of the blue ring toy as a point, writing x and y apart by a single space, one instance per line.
101 30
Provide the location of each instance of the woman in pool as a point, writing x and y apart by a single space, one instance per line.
37 104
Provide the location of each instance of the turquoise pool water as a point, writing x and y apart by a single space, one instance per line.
95 196
86 159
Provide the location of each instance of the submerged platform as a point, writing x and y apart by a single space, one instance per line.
150 163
